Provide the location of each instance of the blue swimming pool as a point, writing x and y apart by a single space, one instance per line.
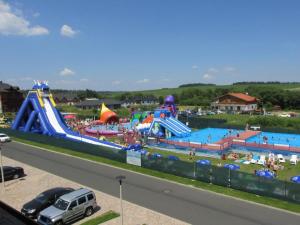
207 135
276 138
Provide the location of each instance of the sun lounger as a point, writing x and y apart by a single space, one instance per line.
294 159
280 158
262 160
255 159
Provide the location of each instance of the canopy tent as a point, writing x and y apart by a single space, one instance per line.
107 116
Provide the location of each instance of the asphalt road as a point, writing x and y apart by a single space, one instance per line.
187 204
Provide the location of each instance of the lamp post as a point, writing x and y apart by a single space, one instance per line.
120 178
2 172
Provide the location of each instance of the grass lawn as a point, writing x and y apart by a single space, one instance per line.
286 174
194 183
102 218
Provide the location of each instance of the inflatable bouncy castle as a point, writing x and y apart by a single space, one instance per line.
165 124
107 115
38 114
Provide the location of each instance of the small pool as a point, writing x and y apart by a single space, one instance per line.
276 138
111 127
207 135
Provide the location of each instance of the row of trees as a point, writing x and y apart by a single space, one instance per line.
268 96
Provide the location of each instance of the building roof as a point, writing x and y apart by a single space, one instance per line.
10 216
98 102
245 97
4 87
65 95
141 98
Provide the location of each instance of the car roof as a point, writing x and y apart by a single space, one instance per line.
8 167
74 194
55 190
3 134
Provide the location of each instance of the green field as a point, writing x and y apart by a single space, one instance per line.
234 88
102 218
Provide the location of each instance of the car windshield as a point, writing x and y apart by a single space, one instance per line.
41 198
3 135
61 204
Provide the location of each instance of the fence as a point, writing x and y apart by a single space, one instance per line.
200 123
82 147
221 176
211 174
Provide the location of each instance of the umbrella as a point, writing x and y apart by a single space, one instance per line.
156 155
203 162
173 157
232 166
143 152
296 179
265 173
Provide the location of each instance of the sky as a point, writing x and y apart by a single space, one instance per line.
111 45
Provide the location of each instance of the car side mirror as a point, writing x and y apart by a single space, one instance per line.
70 208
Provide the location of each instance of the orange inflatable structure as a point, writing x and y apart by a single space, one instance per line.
107 116
148 119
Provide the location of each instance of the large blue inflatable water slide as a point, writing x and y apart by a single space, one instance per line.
38 114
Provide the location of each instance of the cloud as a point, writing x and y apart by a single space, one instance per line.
36 14
66 72
67 31
207 76
143 81
229 69
83 80
12 22
213 70
195 67
116 82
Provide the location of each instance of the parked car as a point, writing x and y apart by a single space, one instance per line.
69 207
43 200
4 138
285 115
11 173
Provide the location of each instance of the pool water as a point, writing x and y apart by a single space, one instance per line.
276 138
112 127
213 135
207 135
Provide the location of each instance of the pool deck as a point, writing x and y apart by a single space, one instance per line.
242 136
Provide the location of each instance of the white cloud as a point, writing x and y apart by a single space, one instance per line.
230 69
84 80
116 82
195 67
207 76
66 72
143 81
36 14
13 23
67 31
213 70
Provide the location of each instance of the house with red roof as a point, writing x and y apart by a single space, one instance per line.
235 102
